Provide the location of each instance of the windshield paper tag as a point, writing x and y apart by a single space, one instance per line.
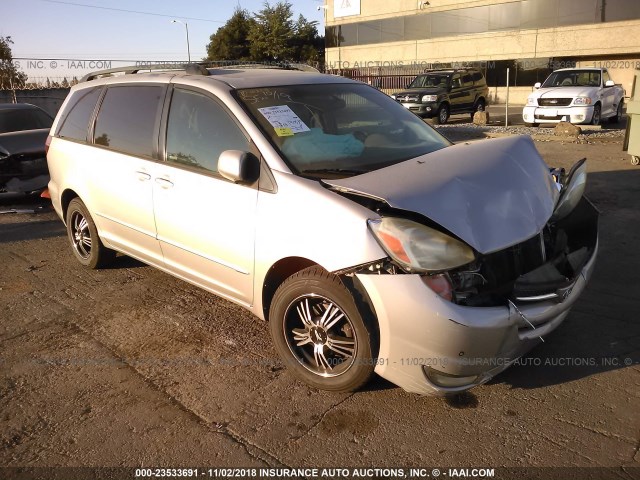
284 120
284 132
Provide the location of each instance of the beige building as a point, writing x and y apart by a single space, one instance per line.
529 37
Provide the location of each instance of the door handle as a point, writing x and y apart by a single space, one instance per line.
164 183
143 176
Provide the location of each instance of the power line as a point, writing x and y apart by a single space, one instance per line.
123 10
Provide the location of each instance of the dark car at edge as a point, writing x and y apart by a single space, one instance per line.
23 164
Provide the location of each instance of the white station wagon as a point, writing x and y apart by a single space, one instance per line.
366 240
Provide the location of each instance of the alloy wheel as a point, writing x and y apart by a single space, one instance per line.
320 335
81 235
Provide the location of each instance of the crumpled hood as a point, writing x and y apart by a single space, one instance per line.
492 194
565 92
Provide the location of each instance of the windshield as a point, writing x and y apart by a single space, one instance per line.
431 80
338 130
18 119
573 78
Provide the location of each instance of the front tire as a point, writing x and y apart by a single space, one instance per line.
83 235
595 119
443 114
319 332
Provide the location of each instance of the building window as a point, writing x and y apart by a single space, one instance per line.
517 15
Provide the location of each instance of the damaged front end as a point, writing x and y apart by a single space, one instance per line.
496 284
544 267
462 243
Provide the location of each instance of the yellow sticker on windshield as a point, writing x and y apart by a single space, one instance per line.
284 132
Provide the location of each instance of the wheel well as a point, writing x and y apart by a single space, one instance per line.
286 267
481 99
67 196
278 273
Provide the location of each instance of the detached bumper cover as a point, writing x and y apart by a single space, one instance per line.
418 328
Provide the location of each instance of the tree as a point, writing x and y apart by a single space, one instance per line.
230 41
10 77
272 33
308 45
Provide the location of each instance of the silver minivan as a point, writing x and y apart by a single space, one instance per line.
366 240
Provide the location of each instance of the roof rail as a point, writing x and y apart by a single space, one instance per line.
266 65
200 68
190 68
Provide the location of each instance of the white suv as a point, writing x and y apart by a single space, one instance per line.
366 240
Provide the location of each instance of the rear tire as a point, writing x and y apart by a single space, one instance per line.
618 116
319 332
478 107
83 235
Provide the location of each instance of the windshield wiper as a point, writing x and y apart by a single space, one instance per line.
347 171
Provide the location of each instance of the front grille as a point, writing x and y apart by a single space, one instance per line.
492 280
542 265
554 102
408 98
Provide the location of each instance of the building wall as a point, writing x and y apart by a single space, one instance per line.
612 45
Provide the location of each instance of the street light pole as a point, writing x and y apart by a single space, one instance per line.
186 27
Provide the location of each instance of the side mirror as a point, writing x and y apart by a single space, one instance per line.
238 166
537 85
609 83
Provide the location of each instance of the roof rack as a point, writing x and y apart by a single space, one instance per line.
200 68
190 68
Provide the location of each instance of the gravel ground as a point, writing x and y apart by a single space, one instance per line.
468 131
128 366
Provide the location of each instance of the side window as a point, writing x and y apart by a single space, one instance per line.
456 82
477 77
127 119
466 80
75 120
199 130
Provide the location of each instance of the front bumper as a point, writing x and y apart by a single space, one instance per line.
542 115
423 109
420 329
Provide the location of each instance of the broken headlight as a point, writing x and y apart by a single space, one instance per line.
572 191
417 247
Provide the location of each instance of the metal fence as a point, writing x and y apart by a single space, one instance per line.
383 78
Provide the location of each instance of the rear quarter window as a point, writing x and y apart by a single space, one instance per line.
127 120
478 78
75 119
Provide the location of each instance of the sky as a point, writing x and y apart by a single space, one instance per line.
51 31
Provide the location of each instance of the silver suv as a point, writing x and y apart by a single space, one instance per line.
365 239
